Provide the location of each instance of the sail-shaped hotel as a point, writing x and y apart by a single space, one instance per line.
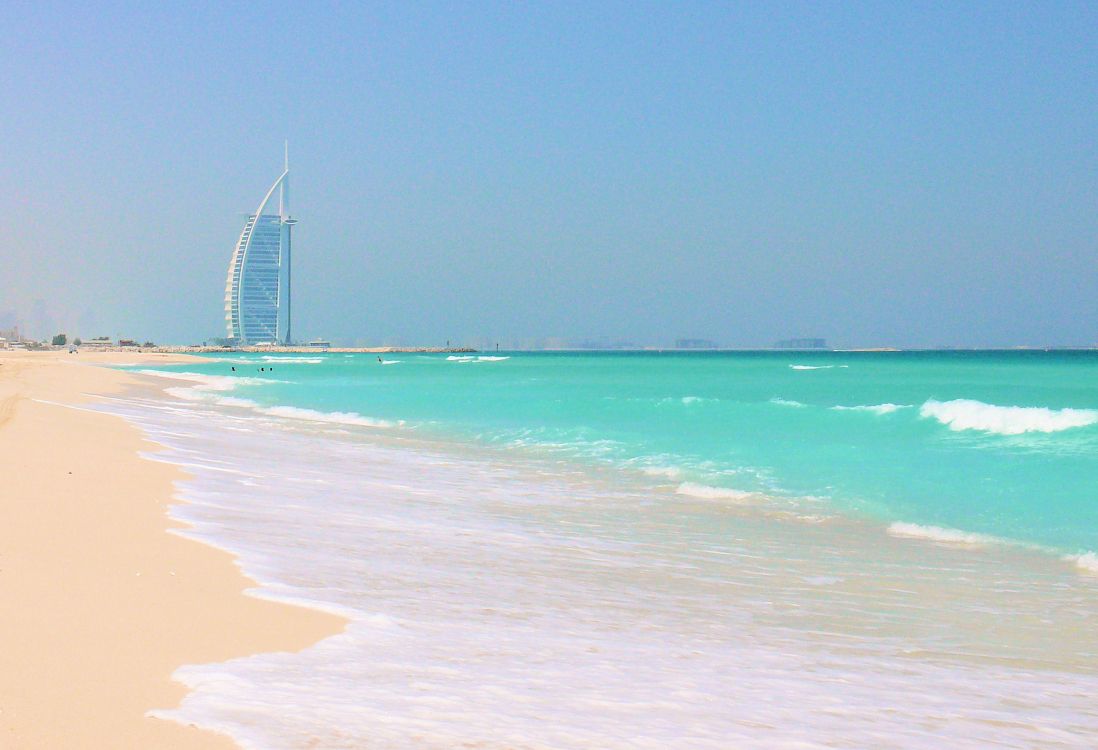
257 291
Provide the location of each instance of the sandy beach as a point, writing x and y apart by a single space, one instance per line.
101 603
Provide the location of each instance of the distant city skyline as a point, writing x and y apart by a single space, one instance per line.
873 174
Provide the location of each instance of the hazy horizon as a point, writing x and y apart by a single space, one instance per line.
875 175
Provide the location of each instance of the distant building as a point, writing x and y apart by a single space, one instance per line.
801 344
694 344
602 343
257 290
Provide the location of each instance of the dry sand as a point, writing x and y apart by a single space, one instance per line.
99 603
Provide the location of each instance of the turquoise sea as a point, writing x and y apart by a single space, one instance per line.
652 549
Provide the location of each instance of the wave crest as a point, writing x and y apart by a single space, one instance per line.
210 382
939 534
875 408
474 358
787 402
670 472
1088 562
299 360
967 414
707 492
334 417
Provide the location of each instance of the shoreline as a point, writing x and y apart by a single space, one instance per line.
864 617
103 603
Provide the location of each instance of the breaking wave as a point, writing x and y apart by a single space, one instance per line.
967 414
197 394
474 358
299 360
874 408
334 417
786 402
1088 562
708 492
210 387
940 534
670 472
210 382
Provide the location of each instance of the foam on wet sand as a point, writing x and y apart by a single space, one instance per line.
101 604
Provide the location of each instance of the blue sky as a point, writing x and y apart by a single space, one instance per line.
876 174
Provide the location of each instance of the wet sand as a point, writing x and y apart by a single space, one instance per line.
101 603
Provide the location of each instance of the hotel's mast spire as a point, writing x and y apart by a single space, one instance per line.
283 188
287 225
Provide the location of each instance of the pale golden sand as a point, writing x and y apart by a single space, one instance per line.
99 603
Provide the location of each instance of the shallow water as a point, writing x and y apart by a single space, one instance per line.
510 587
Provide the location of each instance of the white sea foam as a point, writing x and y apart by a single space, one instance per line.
211 382
662 471
940 534
786 402
334 417
494 606
296 360
390 361
874 408
967 414
197 394
207 382
475 358
1088 562
708 492
208 388
811 367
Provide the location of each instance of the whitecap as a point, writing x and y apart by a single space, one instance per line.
211 382
874 408
298 360
690 400
786 402
198 394
939 534
708 492
474 358
670 472
967 414
1088 561
336 417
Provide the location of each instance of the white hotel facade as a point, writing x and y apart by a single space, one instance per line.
257 290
